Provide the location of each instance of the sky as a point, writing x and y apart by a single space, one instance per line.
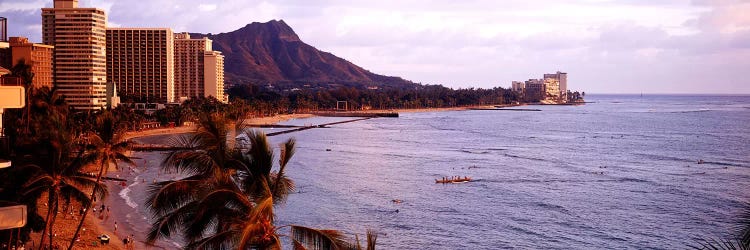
605 46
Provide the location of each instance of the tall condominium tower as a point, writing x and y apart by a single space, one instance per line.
140 62
79 37
199 71
213 75
188 57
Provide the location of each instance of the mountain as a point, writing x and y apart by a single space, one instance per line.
272 52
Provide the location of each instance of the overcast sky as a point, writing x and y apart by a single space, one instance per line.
606 46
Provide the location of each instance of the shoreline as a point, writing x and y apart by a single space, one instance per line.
121 212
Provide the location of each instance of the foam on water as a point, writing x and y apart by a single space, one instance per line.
124 193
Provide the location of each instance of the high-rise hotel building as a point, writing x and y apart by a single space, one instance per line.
140 62
199 71
558 82
213 72
79 37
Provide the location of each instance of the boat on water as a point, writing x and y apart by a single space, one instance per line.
453 179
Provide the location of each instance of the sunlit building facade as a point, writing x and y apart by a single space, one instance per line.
213 72
189 67
80 67
560 82
140 62
38 56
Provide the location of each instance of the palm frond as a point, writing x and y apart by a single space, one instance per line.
283 186
714 244
216 241
319 239
170 222
372 238
287 151
743 225
166 196
297 246
260 153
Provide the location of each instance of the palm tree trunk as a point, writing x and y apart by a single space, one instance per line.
52 221
86 211
46 220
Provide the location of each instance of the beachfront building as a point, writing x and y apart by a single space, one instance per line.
140 63
80 67
552 89
188 57
560 80
534 90
517 86
192 79
213 72
38 56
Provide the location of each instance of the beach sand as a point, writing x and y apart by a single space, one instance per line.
188 129
66 224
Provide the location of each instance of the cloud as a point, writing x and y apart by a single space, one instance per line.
604 45
206 7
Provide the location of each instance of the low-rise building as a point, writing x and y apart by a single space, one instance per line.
38 56
518 86
534 90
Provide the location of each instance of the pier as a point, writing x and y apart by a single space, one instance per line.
293 128
314 126
271 126
506 109
355 114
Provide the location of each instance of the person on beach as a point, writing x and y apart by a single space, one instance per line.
115 227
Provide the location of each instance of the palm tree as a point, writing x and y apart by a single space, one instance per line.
59 176
227 200
207 161
106 147
47 148
224 188
25 72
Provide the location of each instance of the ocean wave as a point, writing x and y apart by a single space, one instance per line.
690 111
124 193
474 151
526 158
516 181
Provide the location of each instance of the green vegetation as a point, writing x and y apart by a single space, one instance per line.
49 155
266 100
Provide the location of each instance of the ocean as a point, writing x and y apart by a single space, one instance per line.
619 172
